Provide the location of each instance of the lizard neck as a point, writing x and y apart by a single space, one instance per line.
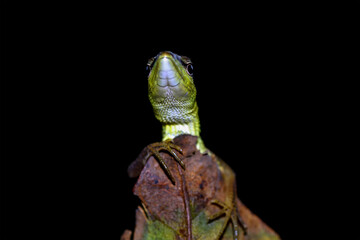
192 127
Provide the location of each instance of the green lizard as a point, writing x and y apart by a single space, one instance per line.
172 94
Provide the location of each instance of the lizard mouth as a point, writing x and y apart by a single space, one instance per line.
167 74
168 82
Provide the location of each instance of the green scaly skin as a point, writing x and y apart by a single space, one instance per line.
172 94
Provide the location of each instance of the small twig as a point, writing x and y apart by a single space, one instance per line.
186 203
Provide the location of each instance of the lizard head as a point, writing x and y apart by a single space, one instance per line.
172 92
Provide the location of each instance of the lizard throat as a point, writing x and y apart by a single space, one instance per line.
172 130
177 117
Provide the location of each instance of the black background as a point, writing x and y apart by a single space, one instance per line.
78 114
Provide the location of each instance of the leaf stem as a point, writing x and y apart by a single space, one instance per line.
186 203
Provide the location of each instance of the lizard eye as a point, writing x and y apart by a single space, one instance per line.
150 64
148 70
190 69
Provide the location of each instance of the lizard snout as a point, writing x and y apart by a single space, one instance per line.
167 78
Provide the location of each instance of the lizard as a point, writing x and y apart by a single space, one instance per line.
172 94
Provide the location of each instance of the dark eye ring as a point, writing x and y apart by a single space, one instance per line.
148 69
190 69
